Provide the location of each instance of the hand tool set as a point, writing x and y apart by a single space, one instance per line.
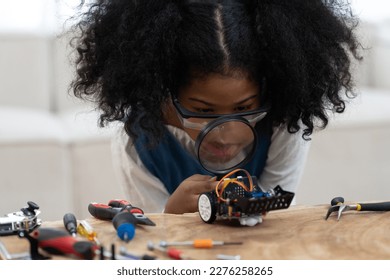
78 240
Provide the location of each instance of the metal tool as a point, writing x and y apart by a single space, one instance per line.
109 255
228 257
198 243
337 205
86 230
108 211
123 252
170 252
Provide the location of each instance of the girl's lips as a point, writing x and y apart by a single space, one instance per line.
220 150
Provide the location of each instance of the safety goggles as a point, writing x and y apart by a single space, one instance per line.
198 121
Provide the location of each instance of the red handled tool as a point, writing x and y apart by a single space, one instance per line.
108 211
123 215
173 253
58 242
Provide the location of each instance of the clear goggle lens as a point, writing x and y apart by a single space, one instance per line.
200 123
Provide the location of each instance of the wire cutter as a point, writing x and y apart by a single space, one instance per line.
337 205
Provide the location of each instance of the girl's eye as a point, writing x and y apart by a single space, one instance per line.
204 110
243 108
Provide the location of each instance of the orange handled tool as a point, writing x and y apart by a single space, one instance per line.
198 243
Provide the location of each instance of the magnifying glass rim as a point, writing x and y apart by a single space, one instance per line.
213 124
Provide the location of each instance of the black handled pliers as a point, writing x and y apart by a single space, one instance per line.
108 211
337 205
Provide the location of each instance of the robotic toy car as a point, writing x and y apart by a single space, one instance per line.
242 199
24 220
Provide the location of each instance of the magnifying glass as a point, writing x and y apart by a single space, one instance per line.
225 144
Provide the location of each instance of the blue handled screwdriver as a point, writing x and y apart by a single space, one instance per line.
124 223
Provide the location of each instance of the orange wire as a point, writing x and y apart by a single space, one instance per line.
219 190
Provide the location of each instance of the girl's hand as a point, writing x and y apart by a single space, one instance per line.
185 197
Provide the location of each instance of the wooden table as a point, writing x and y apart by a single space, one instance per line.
299 232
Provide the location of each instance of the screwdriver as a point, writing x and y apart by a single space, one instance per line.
170 252
124 223
123 252
198 243
70 223
58 242
86 230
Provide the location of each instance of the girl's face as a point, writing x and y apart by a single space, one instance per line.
218 94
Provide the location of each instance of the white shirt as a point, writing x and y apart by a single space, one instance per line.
284 166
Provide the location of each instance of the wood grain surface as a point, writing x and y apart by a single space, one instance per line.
300 232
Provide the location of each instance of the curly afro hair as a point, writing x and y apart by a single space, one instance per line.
132 53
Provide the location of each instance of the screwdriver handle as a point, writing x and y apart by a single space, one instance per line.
86 230
58 242
203 243
103 211
380 206
124 223
175 254
337 200
70 223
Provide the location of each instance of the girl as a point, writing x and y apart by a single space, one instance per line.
166 68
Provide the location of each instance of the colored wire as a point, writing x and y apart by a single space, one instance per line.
224 182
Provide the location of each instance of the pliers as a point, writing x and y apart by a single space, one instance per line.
108 211
337 204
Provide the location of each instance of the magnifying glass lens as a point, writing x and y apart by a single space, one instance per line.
226 145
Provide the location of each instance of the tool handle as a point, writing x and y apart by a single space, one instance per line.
337 200
125 205
124 223
70 223
148 257
102 211
203 243
58 242
124 218
380 206
120 203
175 254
